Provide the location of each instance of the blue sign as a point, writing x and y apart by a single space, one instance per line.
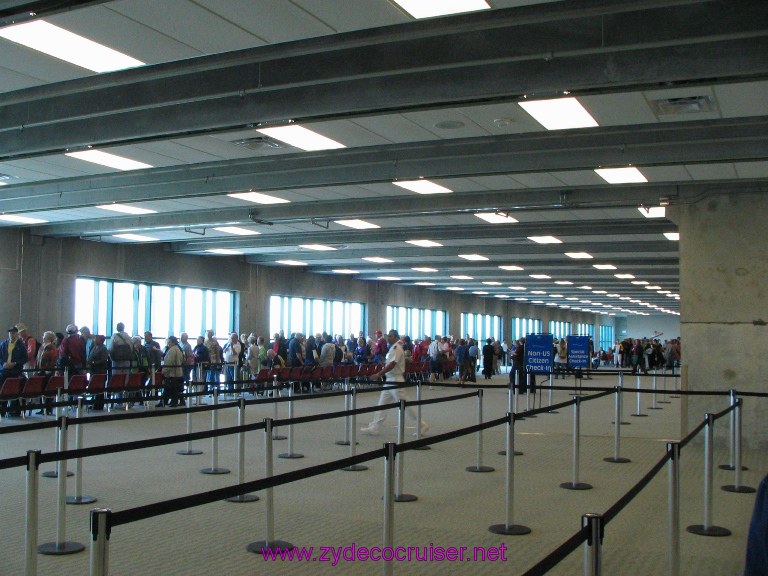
538 353
578 351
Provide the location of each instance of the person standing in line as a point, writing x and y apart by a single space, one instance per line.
488 356
394 365
173 374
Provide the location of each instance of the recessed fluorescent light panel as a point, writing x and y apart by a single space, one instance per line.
540 276
462 277
604 266
480 293
653 212
496 218
134 237
291 262
579 255
392 278
492 283
621 175
545 239
258 198
68 46
421 269
317 247
431 8
107 159
473 257
237 231
224 251
422 187
357 224
377 259
559 113
511 267
624 276
516 288
454 288
639 282
344 271
424 243
424 283
125 209
301 137
564 282
674 236
21 219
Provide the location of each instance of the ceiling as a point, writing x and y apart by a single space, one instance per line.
678 89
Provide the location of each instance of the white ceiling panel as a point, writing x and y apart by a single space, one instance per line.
344 16
578 178
180 153
497 182
61 166
712 171
348 133
538 180
506 118
429 120
11 80
743 99
665 173
752 169
395 128
37 65
619 109
217 146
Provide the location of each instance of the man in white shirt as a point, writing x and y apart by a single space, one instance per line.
394 365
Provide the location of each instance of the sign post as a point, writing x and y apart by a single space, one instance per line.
578 355
538 357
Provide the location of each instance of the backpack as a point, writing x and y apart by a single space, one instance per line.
122 351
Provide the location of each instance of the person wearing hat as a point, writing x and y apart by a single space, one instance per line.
72 351
173 373
379 348
30 343
13 354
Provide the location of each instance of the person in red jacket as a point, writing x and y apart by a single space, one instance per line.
72 351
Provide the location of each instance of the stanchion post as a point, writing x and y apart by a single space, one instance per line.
400 496
511 408
31 516
353 435
240 498
653 405
549 400
616 458
57 436
639 413
479 466
290 454
509 528
731 434
664 386
389 499
575 484
593 546
707 529
276 394
101 529
215 469
269 542
61 546
673 448
78 498
346 440
737 468
189 451
418 416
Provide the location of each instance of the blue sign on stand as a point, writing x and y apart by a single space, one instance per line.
538 353
578 351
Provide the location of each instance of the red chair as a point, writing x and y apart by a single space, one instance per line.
77 385
33 390
262 378
97 386
55 384
11 390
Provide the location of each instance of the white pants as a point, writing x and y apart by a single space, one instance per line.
395 394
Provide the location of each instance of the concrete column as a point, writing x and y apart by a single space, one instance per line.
724 298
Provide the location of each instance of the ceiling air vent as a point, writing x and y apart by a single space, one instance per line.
259 143
686 105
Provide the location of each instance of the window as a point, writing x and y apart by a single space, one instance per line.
162 309
417 322
313 315
585 329
524 326
606 337
481 327
559 329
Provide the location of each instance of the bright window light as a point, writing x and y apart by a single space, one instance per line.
422 186
301 137
317 247
430 8
559 113
377 259
65 45
545 239
604 266
674 236
462 277
107 159
518 288
258 198
224 251
357 224
624 276
424 243
21 219
134 237
564 282
454 288
126 209
344 271
291 262
492 283
473 257
496 217
621 175
424 283
653 212
391 278
579 255
511 267
236 230
540 276
423 269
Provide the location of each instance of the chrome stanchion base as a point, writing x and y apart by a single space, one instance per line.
214 471
639 415
504 453
259 546
655 407
622 423
552 412
55 474
576 486
244 498
738 489
701 530
60 549
730 467
355 468
345 443
479 468
279 437
620 460
77 500
674 396
189 452
405 498
663 402
290 455
509 529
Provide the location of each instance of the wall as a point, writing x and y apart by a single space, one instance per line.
647 326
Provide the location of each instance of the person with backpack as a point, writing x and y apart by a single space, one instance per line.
173 374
